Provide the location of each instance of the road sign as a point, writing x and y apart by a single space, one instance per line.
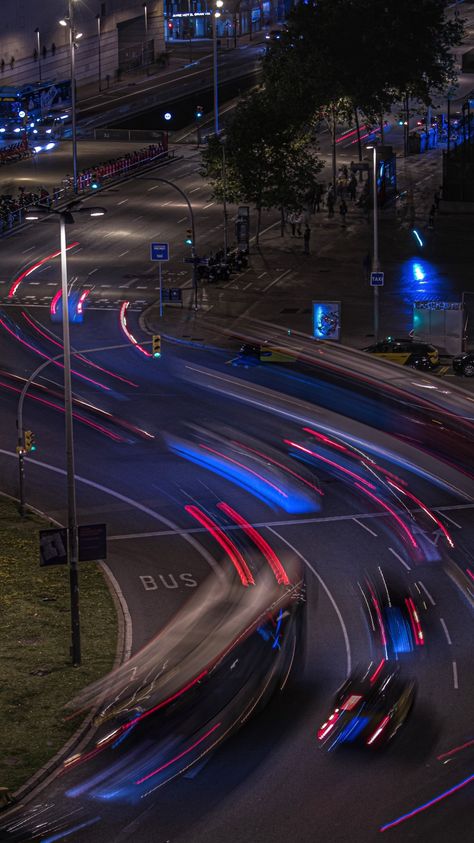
159 251
376 279
53 546
92 539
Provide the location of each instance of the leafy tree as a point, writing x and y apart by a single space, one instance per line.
268 163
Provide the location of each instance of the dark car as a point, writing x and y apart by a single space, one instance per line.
407 352
369 708
393 616
463 364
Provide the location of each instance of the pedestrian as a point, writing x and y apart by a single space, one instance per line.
343 211
431 216
298 221
292 221
53 48
306 238
330 201
317 198
437 198
352 188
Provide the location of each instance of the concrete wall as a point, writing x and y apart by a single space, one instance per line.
18 39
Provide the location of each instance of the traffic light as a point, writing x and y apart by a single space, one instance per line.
189 237
199 112
156 345
30 444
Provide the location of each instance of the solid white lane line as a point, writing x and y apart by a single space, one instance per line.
430 598
446 632
127 618
399 558
455 676
365 527
452 521
329 594
276 280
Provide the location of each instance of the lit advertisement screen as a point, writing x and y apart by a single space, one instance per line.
327 320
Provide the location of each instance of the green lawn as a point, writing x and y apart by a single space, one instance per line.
36 674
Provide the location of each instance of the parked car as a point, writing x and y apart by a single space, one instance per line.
407 352
463 364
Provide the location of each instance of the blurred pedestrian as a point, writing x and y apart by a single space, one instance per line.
343 212
306 239
431 216
298 221
292 221
352 188
437 198
330 201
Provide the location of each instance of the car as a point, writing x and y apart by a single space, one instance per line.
407 352
273 35
393 615
369 708
463 364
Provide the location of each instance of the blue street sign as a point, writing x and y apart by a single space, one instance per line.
159 252
376 279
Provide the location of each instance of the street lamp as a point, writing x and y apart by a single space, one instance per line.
99 24
215 16
145 51
38 50
73 38
375 258
65 218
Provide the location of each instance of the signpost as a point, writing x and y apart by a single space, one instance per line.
377 279
160 252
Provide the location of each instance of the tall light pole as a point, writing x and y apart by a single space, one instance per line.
375 257
38 50
73 38
215 16
99 25
66 218
145 50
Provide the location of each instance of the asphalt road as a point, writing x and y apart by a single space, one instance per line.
269 782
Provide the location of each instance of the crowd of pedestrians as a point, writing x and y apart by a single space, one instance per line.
15 152
116 167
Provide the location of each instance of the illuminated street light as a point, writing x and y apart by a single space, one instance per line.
215 16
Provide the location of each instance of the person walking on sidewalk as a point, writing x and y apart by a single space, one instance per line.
343 212
292 221
352 188
298 221
330 201
306 238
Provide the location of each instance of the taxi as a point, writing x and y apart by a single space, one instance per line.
406 352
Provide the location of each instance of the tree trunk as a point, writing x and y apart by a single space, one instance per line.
334 171
359 142
259 222
382 136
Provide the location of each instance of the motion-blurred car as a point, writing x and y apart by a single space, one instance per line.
369 708
273 35
393 616
407 352
463 364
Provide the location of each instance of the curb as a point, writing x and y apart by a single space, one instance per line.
49 771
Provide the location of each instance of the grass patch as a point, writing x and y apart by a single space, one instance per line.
37 678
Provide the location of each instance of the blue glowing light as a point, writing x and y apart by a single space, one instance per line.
62 834
353 729
276 643
426 805
399 630
416 234
167 115
418 272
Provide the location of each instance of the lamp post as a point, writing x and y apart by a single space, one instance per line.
65 218
145 49
38 50
193 230
375 257
99 26
73 38
215 16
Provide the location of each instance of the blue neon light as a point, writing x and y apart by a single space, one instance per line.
418 272
62 834
276 643
426 805
415 233
399 630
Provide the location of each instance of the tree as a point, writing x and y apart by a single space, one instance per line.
268 163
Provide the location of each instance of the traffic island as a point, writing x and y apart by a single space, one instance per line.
38 678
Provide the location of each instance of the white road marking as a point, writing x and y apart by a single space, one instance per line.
164 204
430 598
397 556
155 186
34 283
275 281
329 594
122 201
128 631
209 205
247 285
365 527
137 218
182 219
262 274
452 521
194 189
93 270
78 250
28 250
445 629
455 676
124 253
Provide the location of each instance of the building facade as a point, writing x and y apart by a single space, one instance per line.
117 34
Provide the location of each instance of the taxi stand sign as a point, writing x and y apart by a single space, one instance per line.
159 251
377 279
